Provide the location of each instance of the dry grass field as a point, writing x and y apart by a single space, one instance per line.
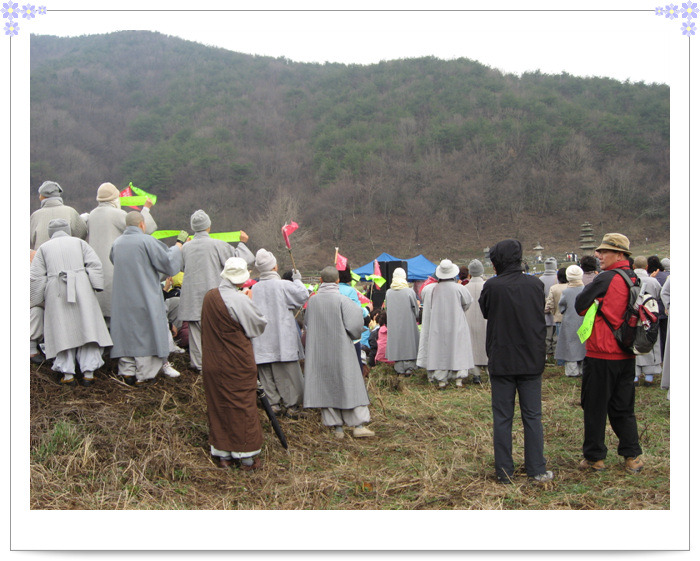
113 446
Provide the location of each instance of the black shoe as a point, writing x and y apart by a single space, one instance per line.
129 380
647 384
38 358
69 383
87 382
476 380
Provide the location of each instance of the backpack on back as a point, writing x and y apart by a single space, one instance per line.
640 327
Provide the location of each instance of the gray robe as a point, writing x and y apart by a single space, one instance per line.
104 225
445 343
277 299
652 287
402 330
549 279
139 323
569 346
54 208
63 276
332 373
666 299
477 323
203 259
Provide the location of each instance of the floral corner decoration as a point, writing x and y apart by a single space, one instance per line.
688 12
11 12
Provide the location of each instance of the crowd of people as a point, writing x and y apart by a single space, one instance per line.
101 286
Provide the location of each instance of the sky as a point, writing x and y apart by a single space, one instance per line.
617 39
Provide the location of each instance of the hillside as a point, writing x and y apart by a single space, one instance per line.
407 156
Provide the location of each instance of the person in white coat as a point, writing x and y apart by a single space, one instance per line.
476 321
64 275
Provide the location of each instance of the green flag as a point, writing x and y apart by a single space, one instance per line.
584 332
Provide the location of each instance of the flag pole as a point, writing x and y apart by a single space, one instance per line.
335 260
292 258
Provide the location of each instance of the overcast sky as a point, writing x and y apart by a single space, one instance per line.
619 44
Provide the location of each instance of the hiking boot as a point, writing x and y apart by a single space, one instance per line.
169 371
362 432
634 465
545 477
595 466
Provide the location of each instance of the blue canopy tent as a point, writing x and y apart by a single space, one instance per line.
419 267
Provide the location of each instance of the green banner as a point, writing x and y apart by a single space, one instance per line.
160 234
225 236
379 281
584 332
137 200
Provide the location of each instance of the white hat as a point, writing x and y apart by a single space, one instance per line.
574 273
446 270
235 270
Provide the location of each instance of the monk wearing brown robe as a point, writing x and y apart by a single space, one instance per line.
229 320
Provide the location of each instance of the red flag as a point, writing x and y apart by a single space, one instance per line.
341 263
377 272
288 229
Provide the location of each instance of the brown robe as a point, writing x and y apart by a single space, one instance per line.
230 379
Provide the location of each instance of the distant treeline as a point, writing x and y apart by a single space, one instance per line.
391 156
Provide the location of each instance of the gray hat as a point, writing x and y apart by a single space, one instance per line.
58 225
107 192
446 270
550 264
235 270
666 264
50 189
264 261
200 221
476 269
574 273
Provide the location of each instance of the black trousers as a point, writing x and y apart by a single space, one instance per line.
607 392
529 389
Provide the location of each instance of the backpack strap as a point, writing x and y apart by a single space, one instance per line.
629 282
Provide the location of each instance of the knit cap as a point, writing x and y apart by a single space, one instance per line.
666 264
50 189
58 225
107 192
476 269
264 261
200 221
574 273
550 264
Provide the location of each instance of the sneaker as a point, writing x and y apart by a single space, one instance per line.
169 371
595 466
634 465
338 433
177 350
362 432
545 477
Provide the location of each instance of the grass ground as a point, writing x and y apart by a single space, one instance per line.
113 446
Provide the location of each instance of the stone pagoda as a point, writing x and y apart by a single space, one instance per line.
587 243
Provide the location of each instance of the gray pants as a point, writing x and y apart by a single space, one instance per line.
88 356
283 382
195 343
143 367
36 328
529 389
551 339
331 417
404 366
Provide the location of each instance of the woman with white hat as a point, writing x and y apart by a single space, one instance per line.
445 348
569 347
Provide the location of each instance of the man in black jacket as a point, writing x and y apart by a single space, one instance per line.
513 304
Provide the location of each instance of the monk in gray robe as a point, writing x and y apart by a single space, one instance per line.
64 275
278 350
203 258
402 336
105 224
230 319
51 207
139 323
445 348
476 321
332 375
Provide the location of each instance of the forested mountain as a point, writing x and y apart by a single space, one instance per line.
407 156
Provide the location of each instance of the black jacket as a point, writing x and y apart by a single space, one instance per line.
513 304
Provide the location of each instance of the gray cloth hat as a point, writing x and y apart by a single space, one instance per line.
107 192
200 221
666 264
235 270
446 270
50 189
615 242
550 264
264 261
58 225
476 268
